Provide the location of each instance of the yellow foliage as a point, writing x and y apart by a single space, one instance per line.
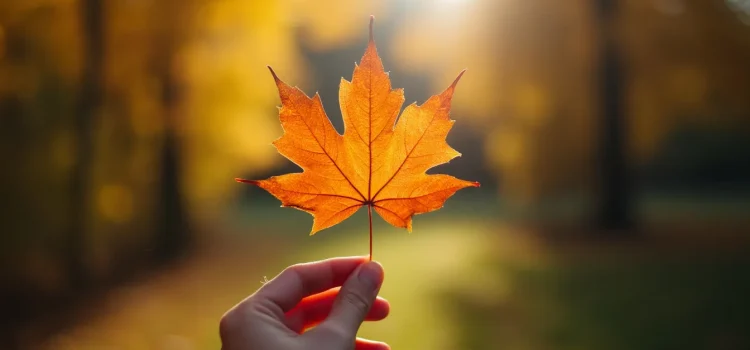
335 23
115 203
145 107
51 32
532 103
229 113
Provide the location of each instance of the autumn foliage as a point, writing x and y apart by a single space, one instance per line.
379 161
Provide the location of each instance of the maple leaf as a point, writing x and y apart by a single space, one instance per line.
378 162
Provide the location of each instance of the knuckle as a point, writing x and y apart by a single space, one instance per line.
242 322
357 301
237 318
226 324
291 270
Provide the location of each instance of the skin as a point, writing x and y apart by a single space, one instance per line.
302 308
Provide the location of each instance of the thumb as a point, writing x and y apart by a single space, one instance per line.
355 299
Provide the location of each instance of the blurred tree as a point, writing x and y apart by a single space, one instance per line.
40 63
687 65
173 235
89 106
614 189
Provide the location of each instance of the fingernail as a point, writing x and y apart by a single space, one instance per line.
371 274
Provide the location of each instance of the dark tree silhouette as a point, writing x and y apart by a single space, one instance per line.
173 236
614 188
89 103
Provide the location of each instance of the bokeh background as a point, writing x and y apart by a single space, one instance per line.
611 138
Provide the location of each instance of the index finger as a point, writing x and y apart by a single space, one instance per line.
301 280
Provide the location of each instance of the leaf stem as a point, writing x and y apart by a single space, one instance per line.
369 213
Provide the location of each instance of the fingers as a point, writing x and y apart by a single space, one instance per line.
301 280
364 344
355 299
314 309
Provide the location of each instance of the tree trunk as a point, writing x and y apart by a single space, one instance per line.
89 104
173 236
614 202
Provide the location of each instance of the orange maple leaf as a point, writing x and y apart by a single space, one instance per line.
378 162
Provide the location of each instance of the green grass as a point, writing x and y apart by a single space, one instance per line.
659 304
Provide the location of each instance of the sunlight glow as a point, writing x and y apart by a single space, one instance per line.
454 2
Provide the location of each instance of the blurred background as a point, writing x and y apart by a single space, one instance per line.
611 138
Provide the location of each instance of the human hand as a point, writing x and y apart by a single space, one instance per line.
301 297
